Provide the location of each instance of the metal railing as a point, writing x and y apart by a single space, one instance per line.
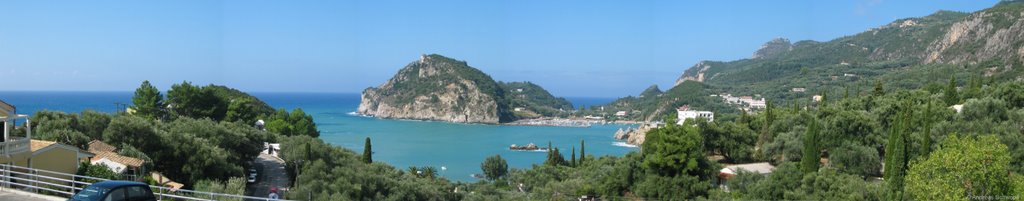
66 185
15 146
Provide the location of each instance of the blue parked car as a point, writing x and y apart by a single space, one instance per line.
115 191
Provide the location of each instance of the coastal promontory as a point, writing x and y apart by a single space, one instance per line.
438 88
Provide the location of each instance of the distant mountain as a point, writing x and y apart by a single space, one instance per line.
653 90
439 88
773 48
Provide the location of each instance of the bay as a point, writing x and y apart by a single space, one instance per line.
459 148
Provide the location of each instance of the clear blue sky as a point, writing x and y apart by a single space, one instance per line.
572 48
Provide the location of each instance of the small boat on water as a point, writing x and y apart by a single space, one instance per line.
528 147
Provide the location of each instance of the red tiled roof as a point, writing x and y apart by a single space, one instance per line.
99 146
129 161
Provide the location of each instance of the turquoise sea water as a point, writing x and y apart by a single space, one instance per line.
458 147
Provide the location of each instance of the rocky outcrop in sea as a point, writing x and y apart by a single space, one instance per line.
633 136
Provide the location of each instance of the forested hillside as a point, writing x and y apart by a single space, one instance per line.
937 100
905 54
534 99
911 53
828 150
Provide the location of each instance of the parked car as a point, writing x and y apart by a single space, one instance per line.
252 176
115 191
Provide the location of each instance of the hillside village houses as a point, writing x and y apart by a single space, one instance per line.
747 103
684 113
37 154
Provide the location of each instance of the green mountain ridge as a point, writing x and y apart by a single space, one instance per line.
907 53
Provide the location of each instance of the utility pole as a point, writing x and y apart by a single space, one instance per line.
120 107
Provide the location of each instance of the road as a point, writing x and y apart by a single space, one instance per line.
10 194
271 175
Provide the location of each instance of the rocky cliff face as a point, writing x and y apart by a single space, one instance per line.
773 48
994 33
694 73
440 89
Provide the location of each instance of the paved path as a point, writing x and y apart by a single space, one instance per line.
271 175
10 194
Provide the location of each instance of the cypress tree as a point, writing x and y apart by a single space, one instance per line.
744 118
896 156
824 98
926 138
559 160
551 155
583 152
555 158
309 151
367 151
573 162
856 90
765 134
550 151
973 88
879 91
811 152
951 97
847 94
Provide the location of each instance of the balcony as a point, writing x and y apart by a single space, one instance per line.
15 146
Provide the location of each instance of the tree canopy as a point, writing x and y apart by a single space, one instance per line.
494 167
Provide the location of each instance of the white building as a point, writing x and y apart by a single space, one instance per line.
746 99
958 108
621 113
758 104
730 171
732 100
685 113
760 168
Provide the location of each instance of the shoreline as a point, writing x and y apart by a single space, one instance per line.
541 121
